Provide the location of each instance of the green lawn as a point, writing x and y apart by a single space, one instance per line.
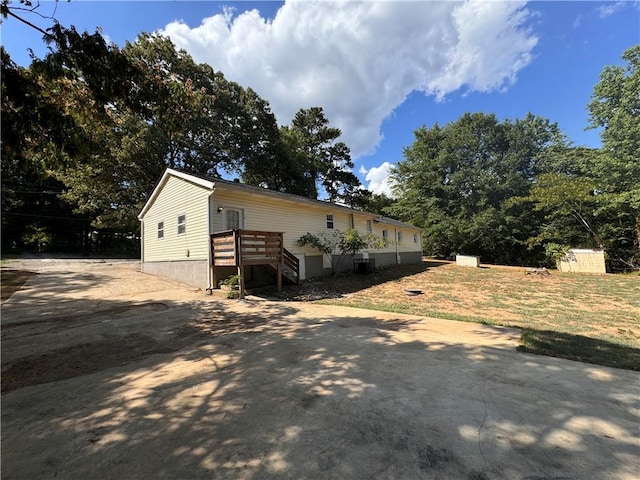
590 318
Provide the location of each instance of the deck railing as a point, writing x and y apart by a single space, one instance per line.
240 248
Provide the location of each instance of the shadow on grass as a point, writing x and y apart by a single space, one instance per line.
336 286
579 348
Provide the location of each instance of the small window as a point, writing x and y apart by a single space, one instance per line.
415 238
352 223
385 237
399 238
369 226
160 229
233 219
329 221
182 224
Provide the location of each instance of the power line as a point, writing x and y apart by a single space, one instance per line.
45 216
48 192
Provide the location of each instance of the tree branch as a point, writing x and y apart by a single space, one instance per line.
26 22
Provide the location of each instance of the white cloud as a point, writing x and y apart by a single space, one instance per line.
360 60
610 8
378 178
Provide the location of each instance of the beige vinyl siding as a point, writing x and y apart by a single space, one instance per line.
406 244
178 197
295 219
275 215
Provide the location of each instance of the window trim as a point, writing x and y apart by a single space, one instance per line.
182 224
240 213
330 221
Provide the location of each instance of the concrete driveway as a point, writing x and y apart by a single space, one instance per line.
113 374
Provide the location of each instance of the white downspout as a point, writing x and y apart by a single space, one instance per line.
141 245
210 228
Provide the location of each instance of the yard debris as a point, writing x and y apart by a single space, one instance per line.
412 291
309 292
537 271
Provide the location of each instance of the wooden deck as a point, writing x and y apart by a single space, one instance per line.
240 248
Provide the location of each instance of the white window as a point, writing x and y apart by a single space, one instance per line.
160 229
182 224
399 238
329 221
415 238
385 237
233 219
369 226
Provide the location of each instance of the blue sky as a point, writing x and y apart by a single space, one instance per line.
382 69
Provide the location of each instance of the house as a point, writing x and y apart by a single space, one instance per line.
192 225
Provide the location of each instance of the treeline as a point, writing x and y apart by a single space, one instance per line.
88 130
517 192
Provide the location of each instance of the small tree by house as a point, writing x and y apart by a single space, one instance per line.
338 246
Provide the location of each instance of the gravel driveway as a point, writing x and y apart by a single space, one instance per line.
110 373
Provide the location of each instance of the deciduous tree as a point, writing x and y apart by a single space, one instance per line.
307 158
455 182
615 108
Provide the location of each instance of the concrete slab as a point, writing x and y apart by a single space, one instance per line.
261 389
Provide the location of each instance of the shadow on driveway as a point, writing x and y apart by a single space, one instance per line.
202 387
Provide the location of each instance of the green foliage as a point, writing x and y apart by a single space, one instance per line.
308 156
338 246
615 108
233 294
282 168
88 130
566 197
353 241
54 119
456 183
233 282
37 237
327 243
556 252
181 115
372 202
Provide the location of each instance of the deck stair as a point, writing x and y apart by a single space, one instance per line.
240 248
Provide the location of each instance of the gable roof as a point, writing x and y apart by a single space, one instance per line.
202 182
210 183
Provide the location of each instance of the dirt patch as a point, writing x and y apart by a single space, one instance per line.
122 311
11 281
89 358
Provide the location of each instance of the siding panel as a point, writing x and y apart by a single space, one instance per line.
178 197
296 219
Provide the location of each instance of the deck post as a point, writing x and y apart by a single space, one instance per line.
279 278
279 265
238 245
242 248
213 267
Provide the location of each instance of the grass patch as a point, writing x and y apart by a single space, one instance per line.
580 348
590 318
